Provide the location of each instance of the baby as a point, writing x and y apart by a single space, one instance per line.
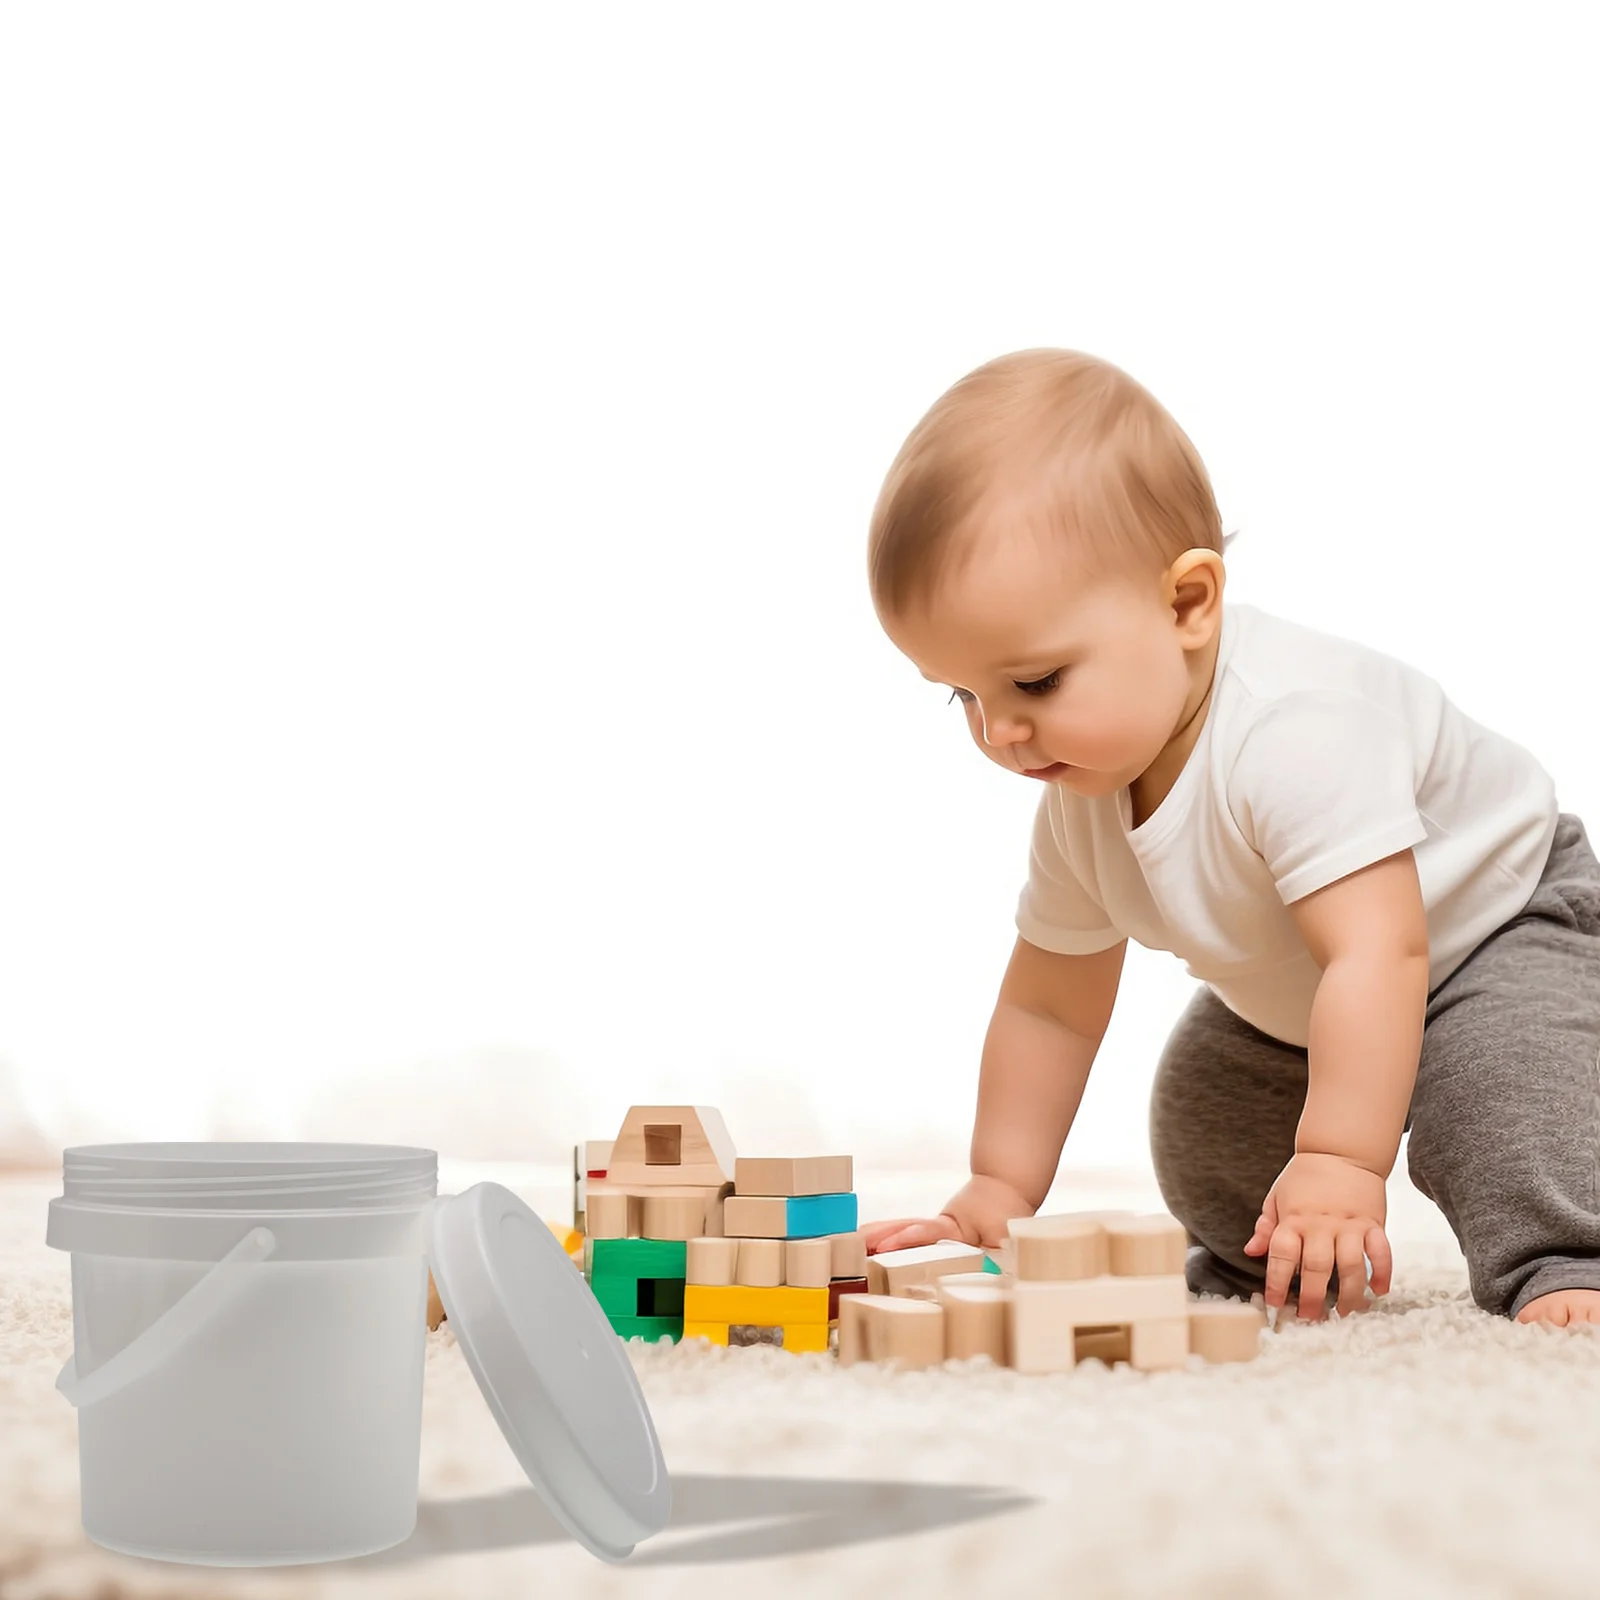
1396 927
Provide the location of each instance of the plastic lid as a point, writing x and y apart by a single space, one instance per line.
552 1369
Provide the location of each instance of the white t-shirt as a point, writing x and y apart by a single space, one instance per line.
1317 757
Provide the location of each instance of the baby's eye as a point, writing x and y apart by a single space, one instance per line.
1040 686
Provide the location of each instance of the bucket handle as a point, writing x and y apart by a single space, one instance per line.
171 1330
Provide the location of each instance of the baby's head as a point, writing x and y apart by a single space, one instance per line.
1047 543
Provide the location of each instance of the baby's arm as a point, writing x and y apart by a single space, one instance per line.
1048 1023
1368 932
1326 1210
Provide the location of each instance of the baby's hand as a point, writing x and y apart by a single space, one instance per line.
904 1233
1323 1212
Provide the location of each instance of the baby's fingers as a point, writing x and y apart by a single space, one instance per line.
1352 1264
1379 1254
1283 1256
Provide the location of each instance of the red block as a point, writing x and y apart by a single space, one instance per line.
839 1286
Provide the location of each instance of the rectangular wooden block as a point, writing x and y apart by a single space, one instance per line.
898 1329
1226 1330
711 1260
1045 1316
853 1342
849 1254
788 1216
639 1258
891 1271
760 1263
793 1175
808 1263
974 1320
1159 1342
766 1308
595 1156
843 1286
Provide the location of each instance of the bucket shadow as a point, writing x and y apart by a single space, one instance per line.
795 1514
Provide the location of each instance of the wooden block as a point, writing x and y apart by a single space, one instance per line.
788 1217
1226 1330
706 1154
793 1175
853 1345
663 1144
920 1291
1046 1316
716 1332
849 1254
673 1216
1059 1249
890 1271
711 1260
638 1258
760 1263
1159 1342
596 1157
808 1263
1145 1246
974 1280
974 1320
904 1330
749 1216
766 1308
435 1305
843 1286
1108 1300
1109 1345
607 1214
805 1338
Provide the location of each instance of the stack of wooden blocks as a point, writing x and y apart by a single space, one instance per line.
1106 1285
685 1239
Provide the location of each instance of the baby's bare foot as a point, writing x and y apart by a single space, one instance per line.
1564 1308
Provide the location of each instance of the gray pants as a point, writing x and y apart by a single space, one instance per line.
1504 1120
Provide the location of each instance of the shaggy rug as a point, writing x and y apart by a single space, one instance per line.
1422 1449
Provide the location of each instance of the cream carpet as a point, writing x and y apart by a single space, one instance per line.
1421 1450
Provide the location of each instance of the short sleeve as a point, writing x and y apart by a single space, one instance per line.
1054 910
1323 785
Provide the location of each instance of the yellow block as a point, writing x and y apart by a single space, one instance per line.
568 1238
805 1337
716 1332
761 1308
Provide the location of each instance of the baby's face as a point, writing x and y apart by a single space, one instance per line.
1054 670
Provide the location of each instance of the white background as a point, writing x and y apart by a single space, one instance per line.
439 694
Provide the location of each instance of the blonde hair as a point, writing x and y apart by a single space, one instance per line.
1077 453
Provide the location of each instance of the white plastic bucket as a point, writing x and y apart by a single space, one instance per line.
250 1329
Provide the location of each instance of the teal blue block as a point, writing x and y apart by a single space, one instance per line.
809 1216
990 1265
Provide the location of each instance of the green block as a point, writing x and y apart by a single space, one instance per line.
623 1295
640 1258
990 1265
648 1328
